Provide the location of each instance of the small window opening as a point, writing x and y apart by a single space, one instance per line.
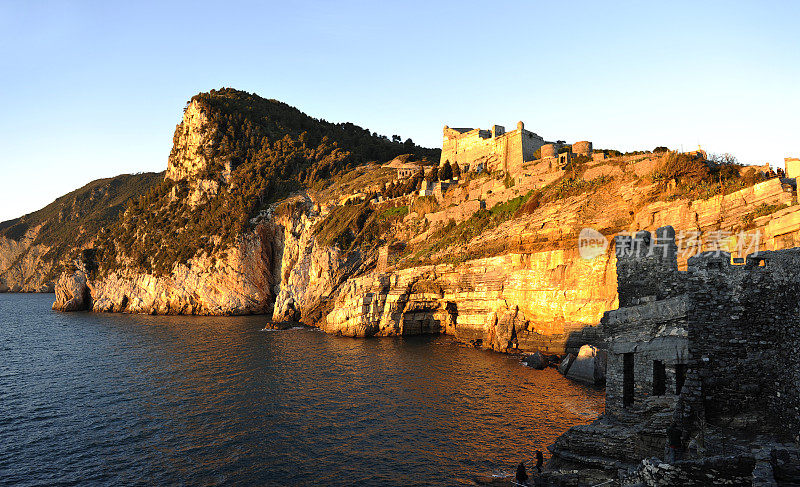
659 378
627 379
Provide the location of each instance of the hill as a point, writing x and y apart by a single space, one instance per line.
34 246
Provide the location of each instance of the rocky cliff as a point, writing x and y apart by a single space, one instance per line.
36 248
266 210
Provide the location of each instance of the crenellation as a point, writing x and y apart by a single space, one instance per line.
496 149
713 350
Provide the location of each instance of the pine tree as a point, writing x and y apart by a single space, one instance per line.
446 171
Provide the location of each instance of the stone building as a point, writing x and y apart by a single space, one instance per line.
714 350
495 148
792 167
582 148
407 170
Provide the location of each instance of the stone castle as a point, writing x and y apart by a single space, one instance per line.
498 150
493 149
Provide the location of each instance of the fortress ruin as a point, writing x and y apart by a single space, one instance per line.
496 149
714 351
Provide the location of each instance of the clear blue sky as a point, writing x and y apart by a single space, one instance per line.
95 89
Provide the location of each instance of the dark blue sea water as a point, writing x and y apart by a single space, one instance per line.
99 399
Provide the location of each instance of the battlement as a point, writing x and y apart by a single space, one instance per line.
708 334
496 149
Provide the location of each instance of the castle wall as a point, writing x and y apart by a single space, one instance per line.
730 332
650 326
744 336
792 167
506 151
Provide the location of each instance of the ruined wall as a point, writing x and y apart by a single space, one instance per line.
506 151
729 327
744 336
650 325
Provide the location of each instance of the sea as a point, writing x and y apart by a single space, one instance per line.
117 399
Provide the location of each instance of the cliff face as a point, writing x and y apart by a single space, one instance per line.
493 260
36 248
22 268
217 235
240 284
531 301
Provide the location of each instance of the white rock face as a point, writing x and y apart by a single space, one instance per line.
239 284
22 268
192 140
72 293
309 272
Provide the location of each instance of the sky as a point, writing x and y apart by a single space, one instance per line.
95 89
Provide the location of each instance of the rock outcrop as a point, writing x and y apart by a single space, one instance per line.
242 283
511 302
589 365
23 267
72 293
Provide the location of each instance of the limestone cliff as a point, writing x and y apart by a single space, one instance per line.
266 210
526 301
229 228
239 284
37 247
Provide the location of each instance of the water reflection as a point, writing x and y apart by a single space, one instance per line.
141 399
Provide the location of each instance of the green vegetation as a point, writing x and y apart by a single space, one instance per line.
75 218
273 149
445 171
569 186
394 212
748 220
357 226
698 178
462 233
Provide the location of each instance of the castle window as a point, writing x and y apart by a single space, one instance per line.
659 378
627 379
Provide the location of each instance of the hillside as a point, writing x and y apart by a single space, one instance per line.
266 210
234 155
35 247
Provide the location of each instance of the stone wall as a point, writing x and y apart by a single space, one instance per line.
744 335
730 325
499 151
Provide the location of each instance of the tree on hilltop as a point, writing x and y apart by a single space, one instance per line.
432 176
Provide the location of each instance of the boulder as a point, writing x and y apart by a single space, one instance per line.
72 293
291 313
535 360
566 363
589 366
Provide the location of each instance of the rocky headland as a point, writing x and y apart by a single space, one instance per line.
265 210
